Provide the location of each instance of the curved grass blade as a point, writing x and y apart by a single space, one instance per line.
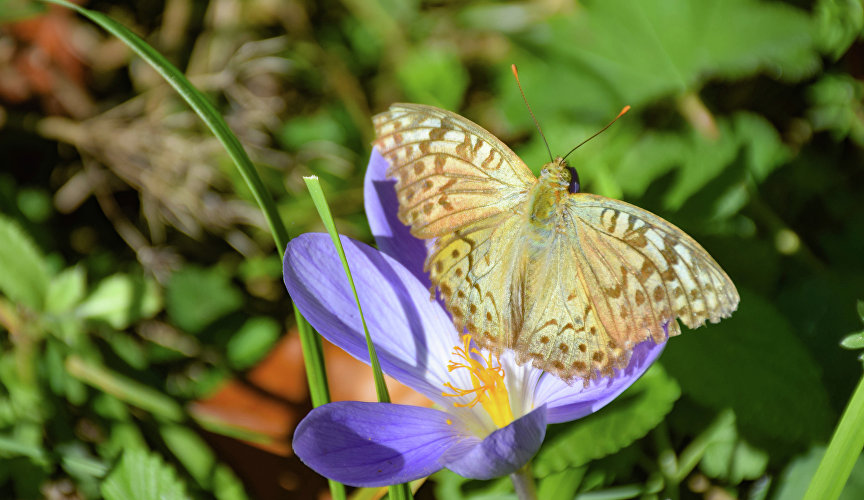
312 354
843 450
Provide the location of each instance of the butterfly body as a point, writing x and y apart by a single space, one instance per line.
571 281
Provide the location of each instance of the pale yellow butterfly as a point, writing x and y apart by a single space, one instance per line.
570 281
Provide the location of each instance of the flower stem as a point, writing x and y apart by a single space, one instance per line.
523 482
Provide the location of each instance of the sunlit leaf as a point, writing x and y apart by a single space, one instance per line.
66 290
24 277
121 300
141 475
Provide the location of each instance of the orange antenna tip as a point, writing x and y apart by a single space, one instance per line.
515 72
623 110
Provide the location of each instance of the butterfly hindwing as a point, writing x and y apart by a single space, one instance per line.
449 171
646 270
475 268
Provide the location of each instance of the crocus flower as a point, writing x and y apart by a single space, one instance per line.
491 414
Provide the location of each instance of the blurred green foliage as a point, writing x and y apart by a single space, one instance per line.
136 275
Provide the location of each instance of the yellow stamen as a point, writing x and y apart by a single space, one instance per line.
488 381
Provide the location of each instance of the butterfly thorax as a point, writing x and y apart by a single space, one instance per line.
547 196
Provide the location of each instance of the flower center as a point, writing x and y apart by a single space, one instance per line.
487 379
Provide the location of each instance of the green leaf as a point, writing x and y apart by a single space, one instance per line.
754 363
195 297
141 475
854 341
191 450
121 300
731 458
66 290
200 461
24 276
839 23
796 477
644 50
433 75
252 341
837 106
226 484
636 411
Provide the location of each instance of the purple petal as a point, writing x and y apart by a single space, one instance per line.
500 453
413 336
569 402
374 444
382 207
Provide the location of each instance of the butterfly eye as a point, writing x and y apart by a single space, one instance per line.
544 171
574 180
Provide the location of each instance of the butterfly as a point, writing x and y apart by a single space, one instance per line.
570 281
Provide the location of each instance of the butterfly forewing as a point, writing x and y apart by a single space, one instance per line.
450 172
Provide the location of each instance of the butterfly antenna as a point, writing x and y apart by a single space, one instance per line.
516 74
624 110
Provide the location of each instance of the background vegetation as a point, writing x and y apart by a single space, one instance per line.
141 304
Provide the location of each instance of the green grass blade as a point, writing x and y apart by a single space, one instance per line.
400 491
324 211
842 452
312 354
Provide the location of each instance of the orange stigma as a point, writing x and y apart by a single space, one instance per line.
487 379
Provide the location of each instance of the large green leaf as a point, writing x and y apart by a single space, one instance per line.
754 364
141 475
24 277
638 410
642 50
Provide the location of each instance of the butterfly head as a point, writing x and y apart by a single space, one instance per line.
562 174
